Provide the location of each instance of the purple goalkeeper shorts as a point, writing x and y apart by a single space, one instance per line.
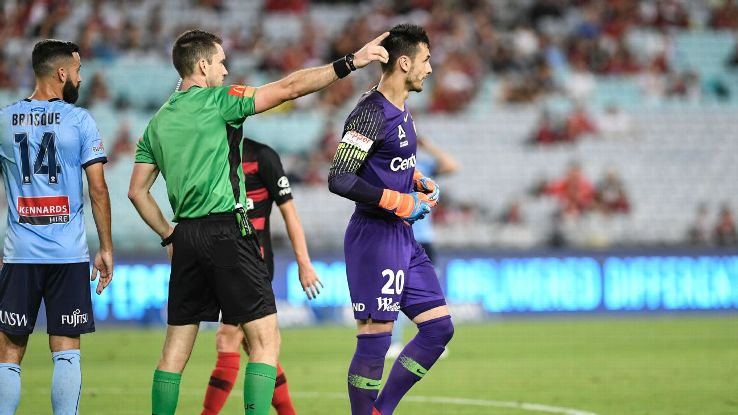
388 271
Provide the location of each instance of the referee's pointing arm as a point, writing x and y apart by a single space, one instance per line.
307 81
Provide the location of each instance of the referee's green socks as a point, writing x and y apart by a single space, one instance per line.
258 388
165 392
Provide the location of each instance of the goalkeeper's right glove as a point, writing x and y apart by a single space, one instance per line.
409 206
426 185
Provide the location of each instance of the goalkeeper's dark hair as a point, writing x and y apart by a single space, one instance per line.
190 47
47 53
403 40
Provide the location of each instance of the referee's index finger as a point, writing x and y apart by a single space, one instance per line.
377 40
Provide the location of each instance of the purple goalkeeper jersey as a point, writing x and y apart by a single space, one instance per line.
387 134
387 270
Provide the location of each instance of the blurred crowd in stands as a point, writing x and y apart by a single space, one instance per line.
721 231
578 123
531 49
527 45
577 196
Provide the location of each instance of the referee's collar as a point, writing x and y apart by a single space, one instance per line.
192 86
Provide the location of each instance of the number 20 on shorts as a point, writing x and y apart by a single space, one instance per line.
395 281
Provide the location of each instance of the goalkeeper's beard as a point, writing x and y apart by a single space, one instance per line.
416 86
70 93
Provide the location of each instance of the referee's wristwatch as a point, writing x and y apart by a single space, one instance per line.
350 61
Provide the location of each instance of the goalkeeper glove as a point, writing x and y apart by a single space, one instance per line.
409 206
426 185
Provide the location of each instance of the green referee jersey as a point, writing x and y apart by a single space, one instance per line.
195 141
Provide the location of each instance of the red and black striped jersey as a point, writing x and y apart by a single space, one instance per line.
265 183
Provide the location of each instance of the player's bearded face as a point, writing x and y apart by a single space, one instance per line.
417 77
70 92
420 69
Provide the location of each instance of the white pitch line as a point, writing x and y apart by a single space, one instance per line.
525 406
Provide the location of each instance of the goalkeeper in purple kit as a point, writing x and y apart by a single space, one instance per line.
388 271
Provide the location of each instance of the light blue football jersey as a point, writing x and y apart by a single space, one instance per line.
44 145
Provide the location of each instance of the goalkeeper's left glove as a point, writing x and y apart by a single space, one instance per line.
426 185
411 207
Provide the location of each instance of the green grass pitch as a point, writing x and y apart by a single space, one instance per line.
601 365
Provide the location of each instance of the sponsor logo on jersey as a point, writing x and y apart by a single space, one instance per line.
362 142
358 306
284 183
386 304
45 210
77 317
13 319
398 163
98 148
249 203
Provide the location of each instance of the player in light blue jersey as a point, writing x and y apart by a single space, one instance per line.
45 144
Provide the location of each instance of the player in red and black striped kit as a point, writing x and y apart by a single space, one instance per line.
266 183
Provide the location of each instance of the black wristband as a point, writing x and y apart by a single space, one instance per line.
341 67
166 241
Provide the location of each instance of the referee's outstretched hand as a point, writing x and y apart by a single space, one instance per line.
309 280
103 265
371 52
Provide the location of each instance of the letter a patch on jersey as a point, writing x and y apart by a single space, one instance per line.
402 136
43 210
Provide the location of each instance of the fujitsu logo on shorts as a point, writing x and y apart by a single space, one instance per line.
77 317
45 210
386 304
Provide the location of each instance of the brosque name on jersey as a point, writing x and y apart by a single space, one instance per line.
44 146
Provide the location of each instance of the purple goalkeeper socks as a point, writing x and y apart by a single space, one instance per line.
414 361
365 371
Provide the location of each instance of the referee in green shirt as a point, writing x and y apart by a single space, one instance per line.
194 140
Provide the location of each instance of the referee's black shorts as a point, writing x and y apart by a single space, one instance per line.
215 270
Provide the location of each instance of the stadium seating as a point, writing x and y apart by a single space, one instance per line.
678 155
